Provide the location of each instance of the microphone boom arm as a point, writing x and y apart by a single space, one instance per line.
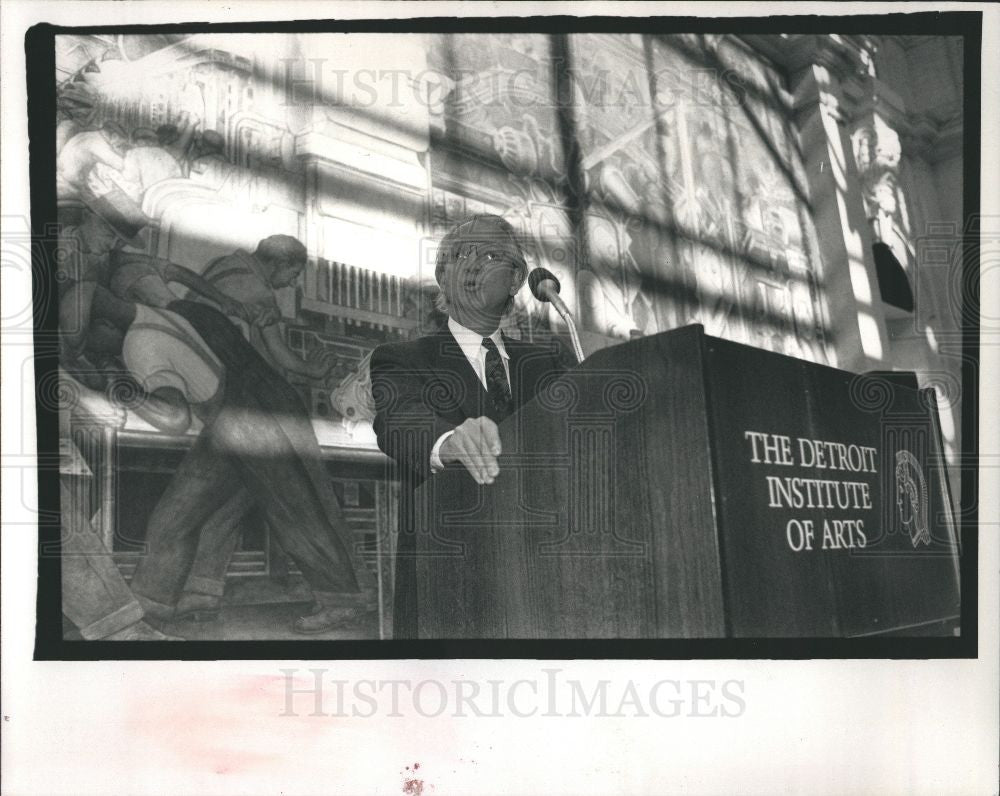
567 316
577 348
545 287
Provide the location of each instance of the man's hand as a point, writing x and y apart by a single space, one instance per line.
475 444
235 309
261 316
100 181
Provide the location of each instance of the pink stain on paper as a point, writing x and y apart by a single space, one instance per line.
210 733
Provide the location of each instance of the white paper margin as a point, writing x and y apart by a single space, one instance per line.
878 727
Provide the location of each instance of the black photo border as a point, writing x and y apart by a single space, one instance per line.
41 84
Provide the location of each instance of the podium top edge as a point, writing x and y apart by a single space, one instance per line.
697 330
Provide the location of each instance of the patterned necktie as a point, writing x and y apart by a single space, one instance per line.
496 379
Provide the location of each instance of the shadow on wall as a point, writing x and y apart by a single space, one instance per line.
694 214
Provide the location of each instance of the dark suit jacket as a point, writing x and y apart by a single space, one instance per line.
421 390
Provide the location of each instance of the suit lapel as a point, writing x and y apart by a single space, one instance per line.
447 355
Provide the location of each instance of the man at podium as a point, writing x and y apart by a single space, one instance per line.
438 399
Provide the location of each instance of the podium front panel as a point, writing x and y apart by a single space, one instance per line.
834 518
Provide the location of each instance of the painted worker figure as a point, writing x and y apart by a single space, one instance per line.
257 446
82 152
145 280
249 281
146 164
439 398
93 264
252 279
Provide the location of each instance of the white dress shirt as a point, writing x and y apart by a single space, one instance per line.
471 344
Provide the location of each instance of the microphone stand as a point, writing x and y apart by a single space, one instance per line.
545 287
567 316
577 348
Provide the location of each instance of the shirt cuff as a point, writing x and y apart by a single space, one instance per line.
436 464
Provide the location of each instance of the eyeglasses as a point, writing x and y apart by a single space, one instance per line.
491 255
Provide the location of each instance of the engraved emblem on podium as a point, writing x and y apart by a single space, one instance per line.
911 497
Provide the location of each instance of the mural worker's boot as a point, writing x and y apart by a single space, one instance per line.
155 613
334 610
198 607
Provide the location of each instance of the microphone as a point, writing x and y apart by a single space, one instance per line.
545 287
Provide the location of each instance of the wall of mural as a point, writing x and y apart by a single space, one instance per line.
658 179
300 183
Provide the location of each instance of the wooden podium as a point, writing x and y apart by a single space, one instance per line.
683 486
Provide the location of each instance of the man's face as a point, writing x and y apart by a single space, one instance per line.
285 273
481 278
